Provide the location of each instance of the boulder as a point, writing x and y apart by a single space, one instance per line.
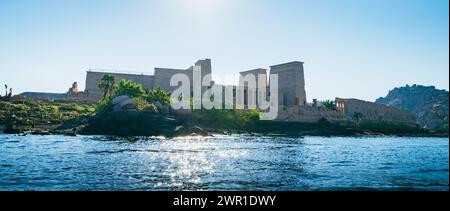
190 130
40 133
123 103
158 105
119 99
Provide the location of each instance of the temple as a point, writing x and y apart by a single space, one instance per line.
292 101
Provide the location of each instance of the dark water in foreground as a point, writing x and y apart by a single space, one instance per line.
223 163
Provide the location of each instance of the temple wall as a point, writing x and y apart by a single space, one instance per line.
251 91
291 83
308 114
94 78
291 89
163 76
374 112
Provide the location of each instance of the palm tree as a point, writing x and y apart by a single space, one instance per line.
108 85
357 116
329 104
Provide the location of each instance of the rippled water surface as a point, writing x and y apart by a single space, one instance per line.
223 163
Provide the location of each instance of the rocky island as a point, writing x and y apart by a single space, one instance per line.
124 117
141 105
428 104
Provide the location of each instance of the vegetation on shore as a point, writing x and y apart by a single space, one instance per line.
156 101
19 114
152 116
62 117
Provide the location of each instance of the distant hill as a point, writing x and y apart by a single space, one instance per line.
430 105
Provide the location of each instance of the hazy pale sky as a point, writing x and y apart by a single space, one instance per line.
351 48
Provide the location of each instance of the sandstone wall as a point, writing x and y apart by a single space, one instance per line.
94 78
308 114
164 75
375 112
291 83
252 91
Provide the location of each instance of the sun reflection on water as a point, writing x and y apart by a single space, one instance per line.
222 163
191 159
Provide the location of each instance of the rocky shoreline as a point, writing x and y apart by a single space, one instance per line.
135 123
31 117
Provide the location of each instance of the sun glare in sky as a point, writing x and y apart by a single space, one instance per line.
201 8
352 48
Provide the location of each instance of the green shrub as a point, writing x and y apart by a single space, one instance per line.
104 105
74 107
227 118
150 108
159 95
30 112
128 88
253 115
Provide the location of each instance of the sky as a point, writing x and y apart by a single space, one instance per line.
350 48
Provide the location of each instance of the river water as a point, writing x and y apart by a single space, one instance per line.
223 163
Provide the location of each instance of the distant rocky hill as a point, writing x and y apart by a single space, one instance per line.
430 105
